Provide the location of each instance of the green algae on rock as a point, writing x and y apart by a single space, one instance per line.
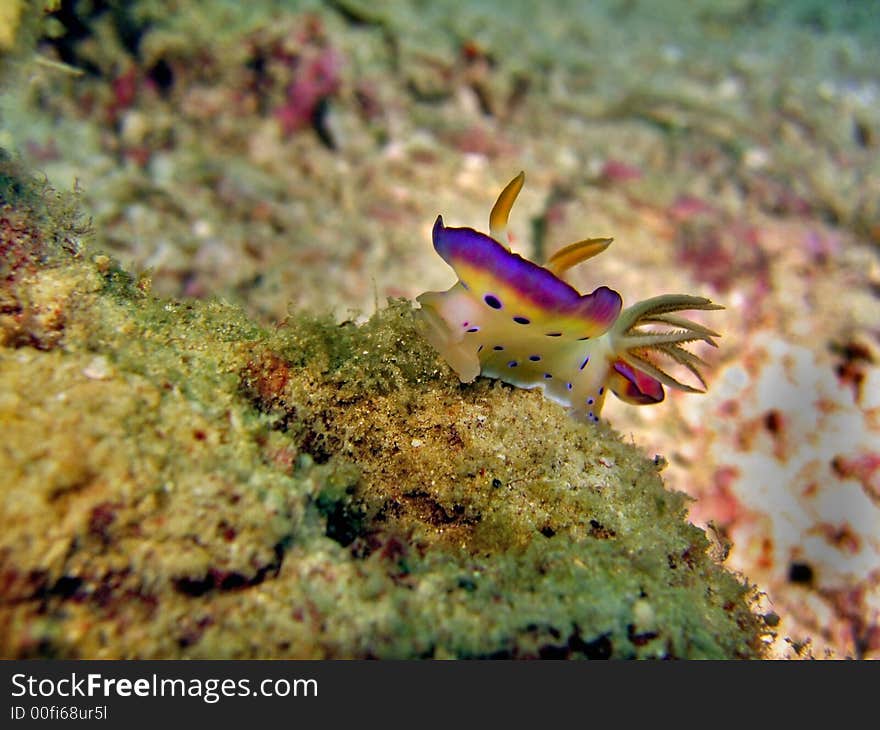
178 482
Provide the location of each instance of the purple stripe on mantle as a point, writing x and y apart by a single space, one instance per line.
533 282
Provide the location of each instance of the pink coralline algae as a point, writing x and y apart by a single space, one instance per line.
688 207
125 89
719 253
316 79
616 171
797 487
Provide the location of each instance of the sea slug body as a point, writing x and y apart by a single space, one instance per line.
512 319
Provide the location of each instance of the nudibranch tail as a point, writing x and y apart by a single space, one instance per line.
509 318
501 210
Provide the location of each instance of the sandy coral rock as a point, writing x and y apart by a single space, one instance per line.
130 510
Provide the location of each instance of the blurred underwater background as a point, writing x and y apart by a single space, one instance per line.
235 165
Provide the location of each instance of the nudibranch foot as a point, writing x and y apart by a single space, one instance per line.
449 342
512 319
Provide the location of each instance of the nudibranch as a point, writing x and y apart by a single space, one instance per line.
512 319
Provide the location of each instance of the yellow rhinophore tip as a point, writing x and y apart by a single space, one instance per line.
571 255
501 210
